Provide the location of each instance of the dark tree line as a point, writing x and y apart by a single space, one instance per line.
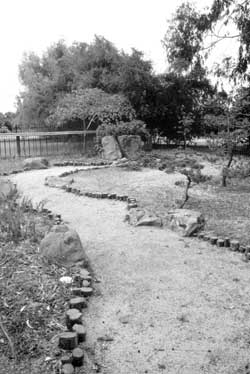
84 85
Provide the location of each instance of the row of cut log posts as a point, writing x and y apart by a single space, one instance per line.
75 335
233 245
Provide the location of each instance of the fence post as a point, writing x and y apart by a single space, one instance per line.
18 146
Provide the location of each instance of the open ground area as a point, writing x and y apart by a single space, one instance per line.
162 303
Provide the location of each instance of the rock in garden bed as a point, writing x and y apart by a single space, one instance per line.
185 221
140 217
35 163
111 150
62 245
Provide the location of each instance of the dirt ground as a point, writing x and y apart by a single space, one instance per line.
168 304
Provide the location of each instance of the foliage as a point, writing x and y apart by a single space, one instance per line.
182 40
15 224
134 127
6 122
231 129
186 85
226 19
66 70
180 105
91 106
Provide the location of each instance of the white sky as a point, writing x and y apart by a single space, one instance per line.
32 25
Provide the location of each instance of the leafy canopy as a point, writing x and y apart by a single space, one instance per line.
91 106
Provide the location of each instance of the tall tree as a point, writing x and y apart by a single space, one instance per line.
62 70
187 84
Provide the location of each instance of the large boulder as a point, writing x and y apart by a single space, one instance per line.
141 217
6 186
185 221
111 149
131 145
63 246
35 163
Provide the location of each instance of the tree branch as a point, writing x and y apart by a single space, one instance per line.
225 36
92 119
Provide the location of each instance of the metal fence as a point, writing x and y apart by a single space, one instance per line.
32 144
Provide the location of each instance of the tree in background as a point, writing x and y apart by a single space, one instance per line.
7 122
186 85
92 107
64 70
230 128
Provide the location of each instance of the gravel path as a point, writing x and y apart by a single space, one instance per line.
170 305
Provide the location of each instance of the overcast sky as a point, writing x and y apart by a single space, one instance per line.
32 25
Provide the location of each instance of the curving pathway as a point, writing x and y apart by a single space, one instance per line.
165 304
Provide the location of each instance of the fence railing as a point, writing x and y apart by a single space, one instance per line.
30 144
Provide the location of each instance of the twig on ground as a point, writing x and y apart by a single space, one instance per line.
8 339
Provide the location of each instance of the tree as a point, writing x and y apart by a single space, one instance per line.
182 40
63 70
230 129
226 19
186 85
7 122
91 106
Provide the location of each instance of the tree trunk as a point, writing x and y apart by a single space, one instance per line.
186 197
224 175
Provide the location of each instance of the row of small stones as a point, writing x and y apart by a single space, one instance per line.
76 331
64 163
132 202
233 245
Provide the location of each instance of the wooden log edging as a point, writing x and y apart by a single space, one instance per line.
63 164
233 245
224 242
71 341
131 201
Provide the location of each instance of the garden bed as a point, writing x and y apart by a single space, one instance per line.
33 300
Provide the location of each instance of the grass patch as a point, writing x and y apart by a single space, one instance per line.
227 210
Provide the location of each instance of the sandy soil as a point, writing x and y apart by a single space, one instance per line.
171 305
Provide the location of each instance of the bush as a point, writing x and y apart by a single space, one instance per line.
16 222
134 127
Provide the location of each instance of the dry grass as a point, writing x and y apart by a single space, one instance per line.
227 210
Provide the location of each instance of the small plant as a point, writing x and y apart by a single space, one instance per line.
16 221
193 177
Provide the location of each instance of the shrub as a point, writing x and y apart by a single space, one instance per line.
15 221
134 127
